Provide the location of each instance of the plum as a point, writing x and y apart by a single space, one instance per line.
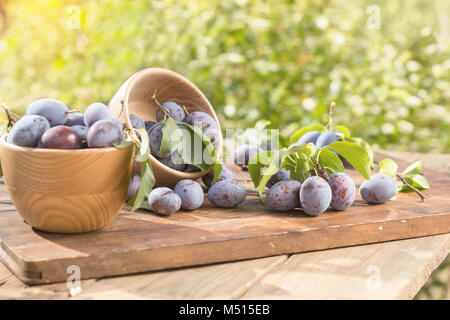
342 191
224 174
164 201
227 193
53 110
28 131
281 174
104 133
284 195
95 112
60 137
379 189
176 112
244 153
315 195
191 194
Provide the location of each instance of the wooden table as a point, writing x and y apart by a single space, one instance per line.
391 270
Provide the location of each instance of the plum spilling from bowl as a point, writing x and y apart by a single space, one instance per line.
49 124
379 189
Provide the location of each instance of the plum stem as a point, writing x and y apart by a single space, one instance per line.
185 110
420 194
331 115
164 109
129 125
321 172
12 117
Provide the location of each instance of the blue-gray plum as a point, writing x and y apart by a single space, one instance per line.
60 137
53 110
96 112
81 131
28 131
326 138
176 112
308 137
213 135
104 133
136 121
379 189
133 186
118 122
174 161
281 175
315 195
191 194
244 153
202 120
284 195
155 137
342 191
75 119
148 125
164 201
227 193
224 174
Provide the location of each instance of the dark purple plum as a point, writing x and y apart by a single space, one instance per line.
281 175
75 119
326 138
191 194
136 121
96 112
148 125
379 189
284 195
155 136
174 161
176 112
224 174
104 133
202 120
164 201
81 131
308 137
60 137
244 153
53 110
133 186
227 193
315 195
342 191
28 131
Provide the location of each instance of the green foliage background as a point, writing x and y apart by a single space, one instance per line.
279 60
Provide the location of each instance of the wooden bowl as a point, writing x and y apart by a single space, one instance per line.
138 91
67 191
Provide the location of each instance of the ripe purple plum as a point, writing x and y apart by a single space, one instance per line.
308 137
174 161
227 193
136 121
315 195
176 112
281 175
326 138
28 131
201 120
75 119
191 194
148 125
104 133
379 189
133 186
60 137
96 112
224 174
342 191
164 201
81 131
284 195
244 153
53 110
155 137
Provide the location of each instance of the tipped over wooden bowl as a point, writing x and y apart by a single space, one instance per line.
138 91
67 191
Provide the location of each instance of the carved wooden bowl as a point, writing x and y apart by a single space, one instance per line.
138 91
67 191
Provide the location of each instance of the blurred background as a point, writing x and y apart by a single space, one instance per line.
385 63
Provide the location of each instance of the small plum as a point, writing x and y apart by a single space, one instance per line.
104 133
379 189
164 201
284 195
60 137
281 174
95 112
226 173
53 110
315 195
244 153
191 194
342 191
176 112
28 131
227 193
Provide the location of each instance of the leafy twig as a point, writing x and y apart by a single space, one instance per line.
421 195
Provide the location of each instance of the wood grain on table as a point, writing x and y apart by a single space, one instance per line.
387 270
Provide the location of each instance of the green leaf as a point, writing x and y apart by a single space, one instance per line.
344 130
265 177
144 148
413 169
300 132
389 167
125 143
330 161
260 162
145 187
364 145
172 136
418 181
217 170
298 165
356 155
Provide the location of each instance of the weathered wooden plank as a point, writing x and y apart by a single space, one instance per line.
394 270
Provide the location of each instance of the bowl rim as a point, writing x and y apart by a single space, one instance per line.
126 96
8 145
